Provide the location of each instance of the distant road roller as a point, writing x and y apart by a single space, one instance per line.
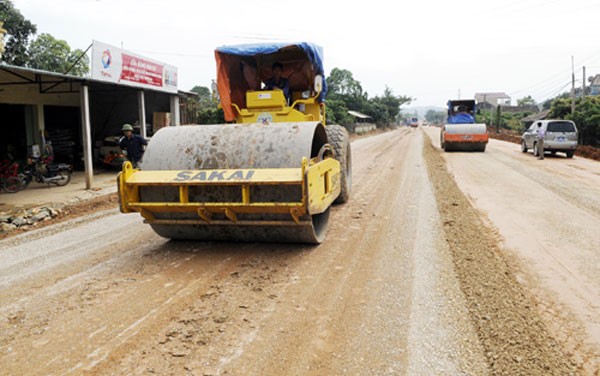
460 131
270 175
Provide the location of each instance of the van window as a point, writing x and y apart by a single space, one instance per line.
560 126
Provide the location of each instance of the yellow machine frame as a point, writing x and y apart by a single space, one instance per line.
271 106
319 179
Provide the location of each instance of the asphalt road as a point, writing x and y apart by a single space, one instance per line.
384 295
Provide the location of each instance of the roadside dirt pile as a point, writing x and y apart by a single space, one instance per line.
23 218
514 337
16 221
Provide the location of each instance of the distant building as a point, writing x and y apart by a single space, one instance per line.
527 121
493 99
595 85
362 123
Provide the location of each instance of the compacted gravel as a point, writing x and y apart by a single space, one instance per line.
409 280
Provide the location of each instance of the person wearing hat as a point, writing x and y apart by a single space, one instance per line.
133 145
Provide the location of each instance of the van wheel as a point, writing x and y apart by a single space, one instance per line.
523 146
536 151
570 154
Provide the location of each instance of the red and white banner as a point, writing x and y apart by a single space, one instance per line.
112 64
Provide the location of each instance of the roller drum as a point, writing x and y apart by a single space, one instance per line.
235 146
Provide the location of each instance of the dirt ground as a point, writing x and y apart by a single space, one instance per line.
394 289
547 214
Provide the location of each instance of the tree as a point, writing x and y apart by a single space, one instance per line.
337 112
586 117
341 83
385 109
19 30
526 101
55 55
204 99
435 117
206 107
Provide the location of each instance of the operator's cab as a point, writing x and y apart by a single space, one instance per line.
241 69
461 112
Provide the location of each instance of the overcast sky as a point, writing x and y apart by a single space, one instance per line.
425 49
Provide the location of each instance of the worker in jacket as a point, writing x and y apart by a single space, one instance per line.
133 145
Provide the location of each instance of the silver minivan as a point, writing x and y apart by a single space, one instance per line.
560 135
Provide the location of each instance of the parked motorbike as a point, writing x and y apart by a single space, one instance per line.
43 172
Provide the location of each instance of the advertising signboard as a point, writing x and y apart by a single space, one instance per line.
113 64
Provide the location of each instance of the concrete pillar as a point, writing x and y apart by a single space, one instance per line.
142 113
175 110
41 122
30 126
87 136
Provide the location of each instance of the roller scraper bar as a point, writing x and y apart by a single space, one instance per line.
317 184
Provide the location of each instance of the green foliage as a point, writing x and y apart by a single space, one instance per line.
337 112
44 52
526 101
55 55
385 109
508 120
19 30
586 117
341 83
205 107
211 116
435 117
204 100
346 93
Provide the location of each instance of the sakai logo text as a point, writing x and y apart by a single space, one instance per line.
214 175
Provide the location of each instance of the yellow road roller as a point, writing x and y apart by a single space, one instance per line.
270 174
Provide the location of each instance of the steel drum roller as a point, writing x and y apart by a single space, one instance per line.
236 146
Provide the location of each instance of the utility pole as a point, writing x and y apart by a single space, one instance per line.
485 104
572 85
498 117
583 85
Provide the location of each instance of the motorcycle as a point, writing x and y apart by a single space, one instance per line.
43 172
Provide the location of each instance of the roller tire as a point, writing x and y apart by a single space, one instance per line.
338 138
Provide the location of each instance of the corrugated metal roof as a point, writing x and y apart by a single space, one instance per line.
493 95
359 115
70 77
539 116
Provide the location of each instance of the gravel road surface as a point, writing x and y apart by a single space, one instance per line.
389 292
547 213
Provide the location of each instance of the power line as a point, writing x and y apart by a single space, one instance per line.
557 77
172 53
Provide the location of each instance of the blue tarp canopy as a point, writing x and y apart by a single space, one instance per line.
461 111
243 67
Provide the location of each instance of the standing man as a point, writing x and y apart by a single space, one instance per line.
132 145
540 140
